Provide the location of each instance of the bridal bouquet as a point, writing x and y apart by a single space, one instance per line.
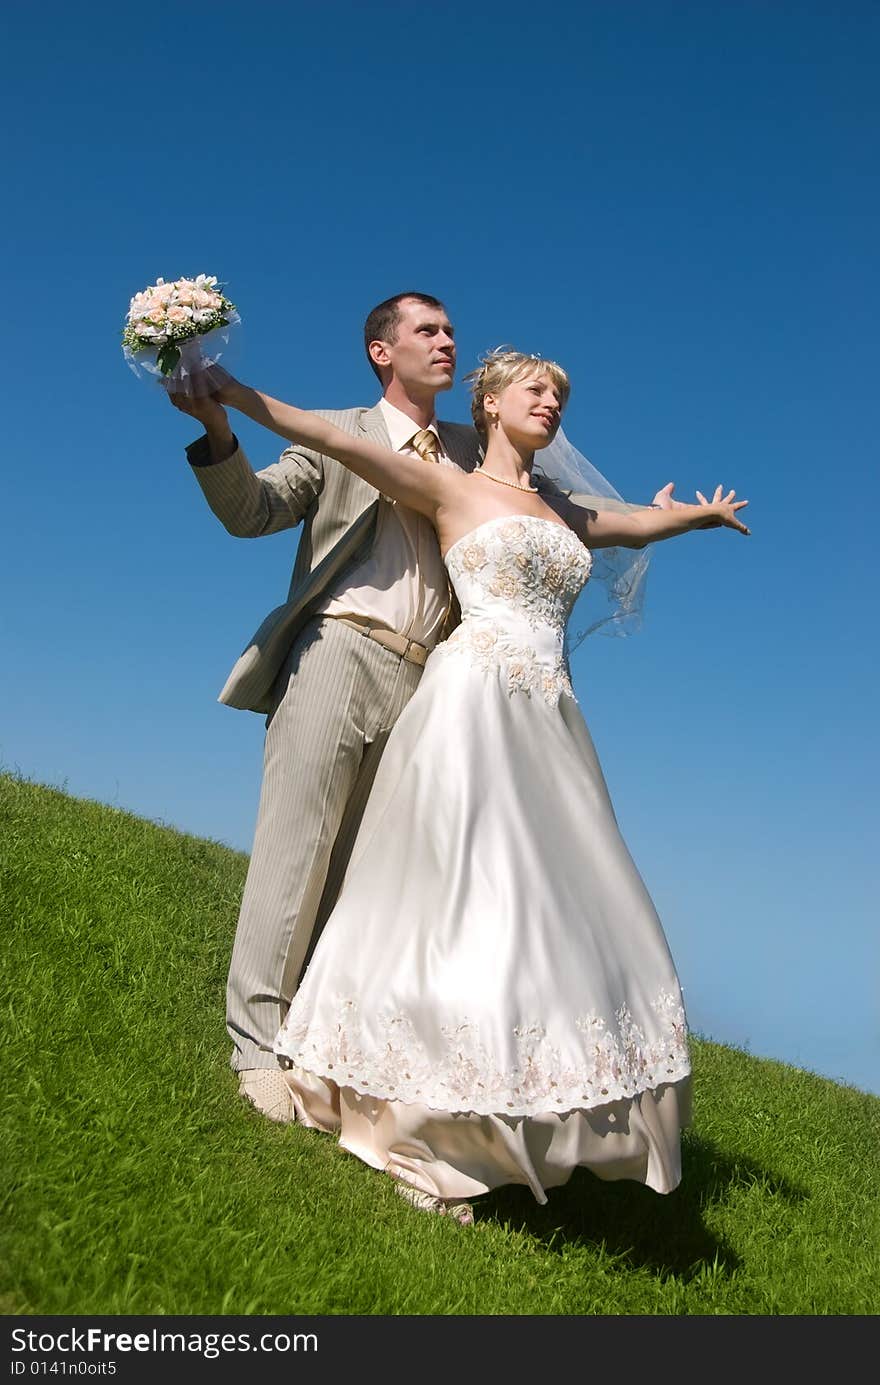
177 333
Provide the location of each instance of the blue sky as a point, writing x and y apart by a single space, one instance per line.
679 202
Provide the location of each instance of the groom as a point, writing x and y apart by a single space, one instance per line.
335 664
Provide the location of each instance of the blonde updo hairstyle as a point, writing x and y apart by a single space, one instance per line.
500 368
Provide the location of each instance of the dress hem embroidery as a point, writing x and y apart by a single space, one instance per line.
616 1062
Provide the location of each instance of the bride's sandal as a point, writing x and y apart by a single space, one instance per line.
462 1212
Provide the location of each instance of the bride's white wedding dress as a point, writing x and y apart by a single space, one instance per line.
492 999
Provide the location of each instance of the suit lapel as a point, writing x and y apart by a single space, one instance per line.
373 426
354 495
455 447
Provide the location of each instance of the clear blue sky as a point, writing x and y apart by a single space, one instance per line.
679 202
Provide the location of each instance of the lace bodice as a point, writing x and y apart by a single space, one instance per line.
517 578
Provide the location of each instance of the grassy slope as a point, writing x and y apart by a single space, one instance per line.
136 1181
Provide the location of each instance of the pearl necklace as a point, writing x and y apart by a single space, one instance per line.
514 485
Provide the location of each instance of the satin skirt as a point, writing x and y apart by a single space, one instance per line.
493 999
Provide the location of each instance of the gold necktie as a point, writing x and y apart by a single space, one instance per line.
426 444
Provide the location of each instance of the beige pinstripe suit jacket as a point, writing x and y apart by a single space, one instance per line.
338 512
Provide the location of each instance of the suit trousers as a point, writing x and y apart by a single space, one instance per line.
336 697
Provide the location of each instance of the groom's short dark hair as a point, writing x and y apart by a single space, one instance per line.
383 321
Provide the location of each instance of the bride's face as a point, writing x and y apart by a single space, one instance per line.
528 410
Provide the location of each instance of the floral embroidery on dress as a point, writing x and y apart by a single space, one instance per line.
517 580
491 649
536 563
473 557
617 1061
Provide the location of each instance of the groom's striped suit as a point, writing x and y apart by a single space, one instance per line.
331 698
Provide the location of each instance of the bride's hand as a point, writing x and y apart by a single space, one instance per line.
205 409
226 384
723 510
208 408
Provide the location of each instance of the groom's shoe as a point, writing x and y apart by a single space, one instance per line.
267 1089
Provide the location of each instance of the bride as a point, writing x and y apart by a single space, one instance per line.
493 999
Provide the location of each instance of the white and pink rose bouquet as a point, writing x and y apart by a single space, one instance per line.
177 332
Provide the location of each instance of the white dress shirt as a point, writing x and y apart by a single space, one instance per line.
403 583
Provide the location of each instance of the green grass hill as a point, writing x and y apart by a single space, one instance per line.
135 1180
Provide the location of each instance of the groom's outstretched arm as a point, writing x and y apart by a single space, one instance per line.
248 503
662 500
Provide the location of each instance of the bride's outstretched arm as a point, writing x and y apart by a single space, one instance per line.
605 529
421 485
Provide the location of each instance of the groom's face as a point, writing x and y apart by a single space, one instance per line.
422 356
